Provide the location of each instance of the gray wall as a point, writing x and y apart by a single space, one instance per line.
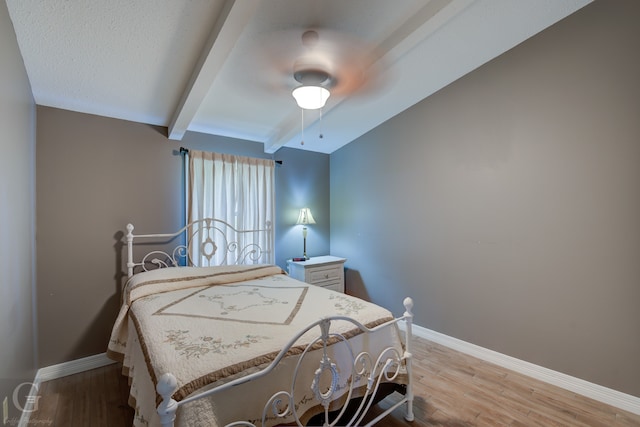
508 204
17 195
95 175
302 181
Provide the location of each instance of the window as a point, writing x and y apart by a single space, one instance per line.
239 191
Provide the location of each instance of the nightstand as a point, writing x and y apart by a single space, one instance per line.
326 271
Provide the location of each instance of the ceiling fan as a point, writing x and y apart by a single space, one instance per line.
346 63
324 67
332 65
338 62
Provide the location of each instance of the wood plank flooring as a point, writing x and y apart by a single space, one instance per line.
451 389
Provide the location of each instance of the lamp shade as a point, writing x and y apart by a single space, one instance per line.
310 97
305 217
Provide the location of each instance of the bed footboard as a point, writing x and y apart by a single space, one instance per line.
364 375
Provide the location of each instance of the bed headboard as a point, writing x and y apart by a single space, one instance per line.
208 242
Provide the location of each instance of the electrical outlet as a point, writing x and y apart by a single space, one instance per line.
5 411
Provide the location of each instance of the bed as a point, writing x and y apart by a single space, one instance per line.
245 344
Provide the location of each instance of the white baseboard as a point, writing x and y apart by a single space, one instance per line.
72 367
62 370
597 392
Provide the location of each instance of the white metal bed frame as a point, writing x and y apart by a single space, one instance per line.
377 368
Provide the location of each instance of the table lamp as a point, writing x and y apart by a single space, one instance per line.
305 218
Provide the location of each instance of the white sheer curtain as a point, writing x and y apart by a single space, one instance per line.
238 190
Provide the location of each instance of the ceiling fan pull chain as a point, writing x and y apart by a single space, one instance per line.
321 135
302 125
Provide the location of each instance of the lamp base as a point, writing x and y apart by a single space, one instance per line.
304 247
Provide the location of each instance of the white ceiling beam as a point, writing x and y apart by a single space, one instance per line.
232 21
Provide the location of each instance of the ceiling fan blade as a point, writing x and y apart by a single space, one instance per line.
350 63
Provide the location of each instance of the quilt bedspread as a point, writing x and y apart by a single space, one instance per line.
210 325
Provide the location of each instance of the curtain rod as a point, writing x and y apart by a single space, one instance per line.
186 151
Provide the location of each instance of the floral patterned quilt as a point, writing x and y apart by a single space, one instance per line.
210 325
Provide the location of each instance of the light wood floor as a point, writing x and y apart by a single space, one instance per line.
451 389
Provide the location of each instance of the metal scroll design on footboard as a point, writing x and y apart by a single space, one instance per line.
374 369
208 242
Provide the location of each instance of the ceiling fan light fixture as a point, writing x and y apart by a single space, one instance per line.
311 97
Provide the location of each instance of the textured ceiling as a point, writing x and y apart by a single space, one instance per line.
226 67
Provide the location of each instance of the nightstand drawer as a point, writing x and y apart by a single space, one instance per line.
334 285
326 271
318 275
